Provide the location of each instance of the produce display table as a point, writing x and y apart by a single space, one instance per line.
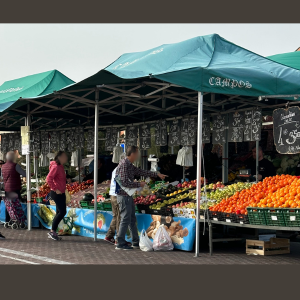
212 240
181 230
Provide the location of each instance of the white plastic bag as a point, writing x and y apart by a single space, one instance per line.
145 242
162 241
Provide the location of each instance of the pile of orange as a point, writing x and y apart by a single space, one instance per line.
288 196
281 191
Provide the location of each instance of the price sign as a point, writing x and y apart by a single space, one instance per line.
174 134
219 130
236 127
286 123
131 135
145 136
252 128
206 129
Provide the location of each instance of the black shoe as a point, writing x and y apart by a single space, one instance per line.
2 236
125 247
53 235
136 246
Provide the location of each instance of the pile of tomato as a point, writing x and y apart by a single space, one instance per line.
44 190
278 191
72 188
76 186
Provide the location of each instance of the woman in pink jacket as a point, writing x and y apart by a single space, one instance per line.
57 182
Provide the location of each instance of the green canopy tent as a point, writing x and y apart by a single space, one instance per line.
30 86
291 59
206 73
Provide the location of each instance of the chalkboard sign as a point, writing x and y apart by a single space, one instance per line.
36 141
253 122
4 143
63 141
90 140
108 138
236 127
131 135
81 138
54 140
11 142
45 142
111 138
219 132
161 134
188 131
286 124
70 140
145 136
174 134
206 129
17 142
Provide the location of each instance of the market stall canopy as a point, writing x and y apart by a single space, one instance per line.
291 59
163 83
206 64
31 86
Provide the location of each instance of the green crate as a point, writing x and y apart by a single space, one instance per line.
99 206
291 217
256 216
85 203
107 206
274 217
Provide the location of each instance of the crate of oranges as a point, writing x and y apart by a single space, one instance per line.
274 217
291 217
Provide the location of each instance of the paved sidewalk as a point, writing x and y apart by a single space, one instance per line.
24 247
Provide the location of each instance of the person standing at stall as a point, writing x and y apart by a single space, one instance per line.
126 172
265 167
57 182
11 173
115 222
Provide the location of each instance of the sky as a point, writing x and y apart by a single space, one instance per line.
81 50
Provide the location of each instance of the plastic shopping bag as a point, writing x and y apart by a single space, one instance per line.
68 197
162 241
145 242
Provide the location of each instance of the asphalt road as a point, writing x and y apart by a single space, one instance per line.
33 247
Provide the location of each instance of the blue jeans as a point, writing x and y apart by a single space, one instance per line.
127 219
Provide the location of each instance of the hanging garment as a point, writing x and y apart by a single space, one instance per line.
185 157
117 151
74 159
43 161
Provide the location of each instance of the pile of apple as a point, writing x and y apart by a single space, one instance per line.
214 186
147 200
188 184
184 205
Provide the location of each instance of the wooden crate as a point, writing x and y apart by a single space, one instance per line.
274 247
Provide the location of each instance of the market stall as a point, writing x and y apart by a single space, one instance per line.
198 78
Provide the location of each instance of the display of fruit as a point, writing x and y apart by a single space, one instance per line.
227 191
76 186
257 193
146 200
213 186
169 201
285 197
191 205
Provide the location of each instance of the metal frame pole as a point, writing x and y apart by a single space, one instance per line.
96 161
257 151
225 156
199 155
28 173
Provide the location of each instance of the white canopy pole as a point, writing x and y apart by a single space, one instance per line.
199 154
96 162
28 173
